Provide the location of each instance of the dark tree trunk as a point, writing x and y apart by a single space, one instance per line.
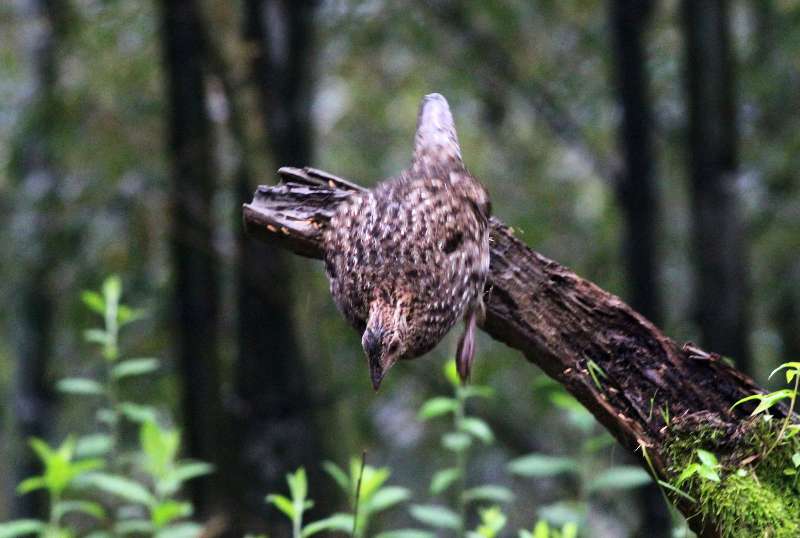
32 323
637 194
719 253
196 286
636 185
274 423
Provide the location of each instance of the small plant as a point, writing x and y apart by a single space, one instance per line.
707 467
60 472
294 508
767 401
154 505
366 491
465 431
493 520
148 505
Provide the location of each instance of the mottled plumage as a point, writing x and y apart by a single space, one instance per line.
409 258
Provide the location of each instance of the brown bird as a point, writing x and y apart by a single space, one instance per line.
409 258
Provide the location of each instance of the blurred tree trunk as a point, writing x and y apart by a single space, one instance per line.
195 265
274 424
637 194
636 186
719 252
35 207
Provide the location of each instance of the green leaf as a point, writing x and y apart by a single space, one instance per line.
187 471
133 367
456 441
451 373
181 530
688 472
480 391
160 446
796 459
121 487
82 507
96 336
708 473
435 516
477 428
563 512
283 504
80 385
677 491
707 458
539 465
298 484
168 511
387 497
31 484
790 365
137 413
94 301
489 493
338 475
20 527
372 480
443 479
772 399
335 523
112 290
436 407
93 445
620 477
42 450
406 533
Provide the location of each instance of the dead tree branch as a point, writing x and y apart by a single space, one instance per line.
650 387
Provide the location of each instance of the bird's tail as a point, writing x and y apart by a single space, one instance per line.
436 141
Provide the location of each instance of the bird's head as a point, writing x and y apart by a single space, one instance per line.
382 341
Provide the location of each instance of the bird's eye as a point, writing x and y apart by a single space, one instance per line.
393 347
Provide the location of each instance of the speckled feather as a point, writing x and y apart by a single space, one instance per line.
414 251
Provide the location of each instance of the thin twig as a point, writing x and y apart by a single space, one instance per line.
358 493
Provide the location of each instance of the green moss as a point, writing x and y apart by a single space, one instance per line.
750 500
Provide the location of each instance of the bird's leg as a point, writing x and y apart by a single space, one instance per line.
465 352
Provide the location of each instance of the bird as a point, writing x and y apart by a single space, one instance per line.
409 258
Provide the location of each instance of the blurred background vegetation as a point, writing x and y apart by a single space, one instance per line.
649 145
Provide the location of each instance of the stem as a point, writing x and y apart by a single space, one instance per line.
788 418
52 521
461 465
355 533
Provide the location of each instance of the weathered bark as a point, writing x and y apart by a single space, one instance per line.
563 324
719 253
196 282
637 194
274 425
34 209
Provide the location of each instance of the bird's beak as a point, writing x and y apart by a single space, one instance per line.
372 341
376 373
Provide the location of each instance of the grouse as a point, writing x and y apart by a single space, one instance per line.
409 258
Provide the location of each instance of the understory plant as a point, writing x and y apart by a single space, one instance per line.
123 491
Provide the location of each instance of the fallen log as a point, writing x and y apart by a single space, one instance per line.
660 399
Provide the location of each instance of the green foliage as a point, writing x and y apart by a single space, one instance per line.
365 486
151 499
294 506
464 430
